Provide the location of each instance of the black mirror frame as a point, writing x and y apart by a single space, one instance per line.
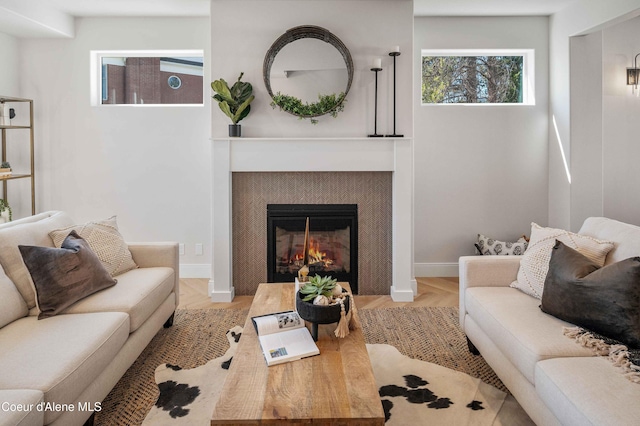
307 31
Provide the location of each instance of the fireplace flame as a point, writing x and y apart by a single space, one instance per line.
316 256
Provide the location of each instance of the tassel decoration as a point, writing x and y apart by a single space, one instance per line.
343 327
351 317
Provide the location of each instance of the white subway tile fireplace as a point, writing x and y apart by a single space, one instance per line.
325 164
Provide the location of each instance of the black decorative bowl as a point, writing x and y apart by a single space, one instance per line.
320 314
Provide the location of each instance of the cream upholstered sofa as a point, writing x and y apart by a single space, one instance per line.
58 370
556 380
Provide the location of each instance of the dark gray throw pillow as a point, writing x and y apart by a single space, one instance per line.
605 300
62 276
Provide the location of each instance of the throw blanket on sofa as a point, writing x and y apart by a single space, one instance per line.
627 360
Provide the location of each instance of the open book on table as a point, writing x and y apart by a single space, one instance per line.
284 337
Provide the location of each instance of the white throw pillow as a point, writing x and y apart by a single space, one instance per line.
105 240
534 265
490 246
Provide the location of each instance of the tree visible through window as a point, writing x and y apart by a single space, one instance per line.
472 79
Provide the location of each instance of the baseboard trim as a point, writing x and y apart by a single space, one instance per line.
401 295
436 269
221 296
195 270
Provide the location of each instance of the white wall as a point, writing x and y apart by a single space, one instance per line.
580 17
586 127
9 80
150 166
478 169
368 28
621 113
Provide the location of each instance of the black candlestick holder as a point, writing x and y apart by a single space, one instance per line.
394 135
375 109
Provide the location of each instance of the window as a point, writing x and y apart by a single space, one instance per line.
477 77
147 77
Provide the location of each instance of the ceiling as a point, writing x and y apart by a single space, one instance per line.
54 18
201 7
488 7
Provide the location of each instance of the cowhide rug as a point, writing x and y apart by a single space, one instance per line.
412 392
411 389
188 396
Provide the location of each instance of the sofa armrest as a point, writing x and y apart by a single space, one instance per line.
147 255
485 271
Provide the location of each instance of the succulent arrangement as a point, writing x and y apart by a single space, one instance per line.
322 290
5 165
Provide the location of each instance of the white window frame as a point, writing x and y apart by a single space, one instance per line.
96 68
528 75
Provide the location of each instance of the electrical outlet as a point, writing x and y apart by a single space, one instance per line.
199 249
181 249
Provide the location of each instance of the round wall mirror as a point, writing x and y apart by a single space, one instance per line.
308 72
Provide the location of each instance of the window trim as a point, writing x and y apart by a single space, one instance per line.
528 77
96 69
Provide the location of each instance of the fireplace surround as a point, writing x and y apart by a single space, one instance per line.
252 192
236 157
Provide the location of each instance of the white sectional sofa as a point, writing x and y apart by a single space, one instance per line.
58 370
556 380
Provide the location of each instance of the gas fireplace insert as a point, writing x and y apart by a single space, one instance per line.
333 241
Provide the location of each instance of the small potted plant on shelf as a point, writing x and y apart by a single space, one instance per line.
5 211
322 300
234 101
5 169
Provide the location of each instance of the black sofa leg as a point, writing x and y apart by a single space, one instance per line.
472 347
169 322
90 420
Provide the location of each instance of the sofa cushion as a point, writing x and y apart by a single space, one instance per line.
625 236
139 293
60 356
32 234
105 240
515 324
605 300
587 391
16 404
62 276
12 305
535 261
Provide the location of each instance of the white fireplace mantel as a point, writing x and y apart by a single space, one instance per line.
329 155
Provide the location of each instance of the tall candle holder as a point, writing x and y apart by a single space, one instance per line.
394 54
375 134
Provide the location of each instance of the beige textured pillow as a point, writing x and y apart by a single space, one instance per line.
106 242
534 264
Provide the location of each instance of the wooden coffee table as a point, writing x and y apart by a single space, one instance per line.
336 387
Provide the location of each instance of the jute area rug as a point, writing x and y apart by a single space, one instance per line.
197 336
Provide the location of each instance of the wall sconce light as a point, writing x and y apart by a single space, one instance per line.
633 75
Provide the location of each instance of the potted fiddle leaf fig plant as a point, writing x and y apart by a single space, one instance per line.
234 101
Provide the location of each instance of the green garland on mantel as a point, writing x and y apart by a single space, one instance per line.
327 104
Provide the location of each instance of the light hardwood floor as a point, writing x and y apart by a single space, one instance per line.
431 292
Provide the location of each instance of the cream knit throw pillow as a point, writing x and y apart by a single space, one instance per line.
105 240
534 264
